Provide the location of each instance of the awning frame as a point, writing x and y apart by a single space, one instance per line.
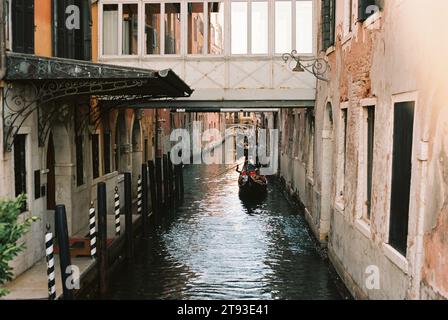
32 82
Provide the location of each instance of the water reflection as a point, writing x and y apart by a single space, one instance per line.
220 246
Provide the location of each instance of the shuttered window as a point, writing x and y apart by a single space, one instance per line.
72 43
22 12
95 156
401 175
20 166
370 112
328 23
107 152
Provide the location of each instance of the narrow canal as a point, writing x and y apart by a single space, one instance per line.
220 247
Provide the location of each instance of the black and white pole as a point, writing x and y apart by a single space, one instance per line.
139 195
117 212
92 228
50 266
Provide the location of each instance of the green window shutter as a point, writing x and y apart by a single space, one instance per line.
86 22
22 13
326 30
328 23
332 22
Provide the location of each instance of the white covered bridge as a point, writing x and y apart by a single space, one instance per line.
229 52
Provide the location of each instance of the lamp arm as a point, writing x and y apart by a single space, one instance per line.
314 65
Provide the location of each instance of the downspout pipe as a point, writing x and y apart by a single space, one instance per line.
2 41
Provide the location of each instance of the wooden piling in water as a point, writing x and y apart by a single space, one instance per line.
159 187
128 215
165 183
60 223
181 182
102 238
177 183
144 177
171 195
152 187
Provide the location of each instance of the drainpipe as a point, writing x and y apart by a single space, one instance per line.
2 41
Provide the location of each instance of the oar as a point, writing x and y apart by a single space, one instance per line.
227 170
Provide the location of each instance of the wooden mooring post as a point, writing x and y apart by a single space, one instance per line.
159 185
128 215
165 183
145 211
152 187
102 238
60 222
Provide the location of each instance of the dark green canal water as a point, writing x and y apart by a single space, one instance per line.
219 247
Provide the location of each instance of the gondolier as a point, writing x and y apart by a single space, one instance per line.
250 182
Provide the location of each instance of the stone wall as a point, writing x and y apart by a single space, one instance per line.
396 55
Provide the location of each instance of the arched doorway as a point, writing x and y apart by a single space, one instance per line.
327 172
121 144
59 170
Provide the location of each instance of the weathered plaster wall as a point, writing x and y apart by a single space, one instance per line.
43 31
396 56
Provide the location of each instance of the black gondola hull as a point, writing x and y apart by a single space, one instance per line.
252 188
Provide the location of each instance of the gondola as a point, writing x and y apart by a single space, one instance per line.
250 182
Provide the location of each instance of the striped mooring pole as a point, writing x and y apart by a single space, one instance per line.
50 266
139 195
117 212
92 228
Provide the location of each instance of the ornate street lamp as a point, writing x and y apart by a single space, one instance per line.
316 66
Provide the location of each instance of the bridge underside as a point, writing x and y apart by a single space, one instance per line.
221 105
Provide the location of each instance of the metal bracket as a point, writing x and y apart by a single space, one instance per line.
22 98
314 65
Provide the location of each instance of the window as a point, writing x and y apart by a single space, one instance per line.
369 114
110 29
20 164
342 155
216 28
37 191
196 37
239 27
304 26
172 28
22 12
79 145
401 175
71 43
130 29
259 27
95 156
283 26
328 23
152 28
310 166
107 152
8 35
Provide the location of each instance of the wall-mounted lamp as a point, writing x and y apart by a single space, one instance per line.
316 66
